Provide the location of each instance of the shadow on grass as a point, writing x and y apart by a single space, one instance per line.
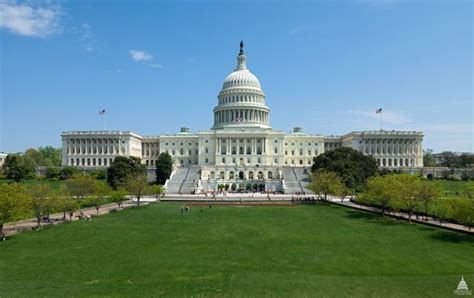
452 237
373 218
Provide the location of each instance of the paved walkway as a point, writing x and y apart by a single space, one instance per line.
427 220
29 224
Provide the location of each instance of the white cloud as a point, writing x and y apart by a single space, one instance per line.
156 65
392 117
140 56
30 20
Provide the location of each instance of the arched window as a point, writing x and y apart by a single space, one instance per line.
231 175
260 175
270 175
221 175
212 176
251 175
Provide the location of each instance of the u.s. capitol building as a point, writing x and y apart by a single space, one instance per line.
241 146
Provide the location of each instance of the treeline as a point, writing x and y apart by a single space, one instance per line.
344 171
40 200
20 166
448 159
418 196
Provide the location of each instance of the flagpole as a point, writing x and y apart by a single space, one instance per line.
381 113
103 120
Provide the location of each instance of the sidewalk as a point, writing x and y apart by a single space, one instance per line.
57 218
430 221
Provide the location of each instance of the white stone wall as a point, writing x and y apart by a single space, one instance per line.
300 149
391 149
183 148
98 148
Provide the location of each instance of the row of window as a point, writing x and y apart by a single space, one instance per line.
90 161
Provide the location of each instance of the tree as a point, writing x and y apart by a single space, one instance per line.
464 212
51 156
17 168
68 172
40 201
324 182
428 158
122 168
155 190
137 187
53 172
353 167
81 186
448 159
102 191
406 190
13 200
426 193
380 191
164 167
118 196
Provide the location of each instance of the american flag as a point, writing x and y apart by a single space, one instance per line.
378 111
102 112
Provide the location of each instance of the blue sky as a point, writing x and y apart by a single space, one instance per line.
158 65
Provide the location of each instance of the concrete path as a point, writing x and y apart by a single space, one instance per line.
29 224
426 220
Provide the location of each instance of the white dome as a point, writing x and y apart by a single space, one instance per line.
241 78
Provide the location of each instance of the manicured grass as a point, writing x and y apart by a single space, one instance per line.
452 189
319 250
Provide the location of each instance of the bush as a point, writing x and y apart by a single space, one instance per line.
454 177
429 176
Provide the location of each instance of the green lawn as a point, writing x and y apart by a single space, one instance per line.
319 250
452 189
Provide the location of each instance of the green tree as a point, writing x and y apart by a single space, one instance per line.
464 212
68 172
40 201
13 200
118 196
326 183
352 166
17 168
406 193
51 156
122 168
428 158
137 187
380 191
155 190
53 172
164 167
81 186
101 193
426 193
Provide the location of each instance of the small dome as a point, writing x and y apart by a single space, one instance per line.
241 78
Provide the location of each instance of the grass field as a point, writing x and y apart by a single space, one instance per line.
452 189
319 250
